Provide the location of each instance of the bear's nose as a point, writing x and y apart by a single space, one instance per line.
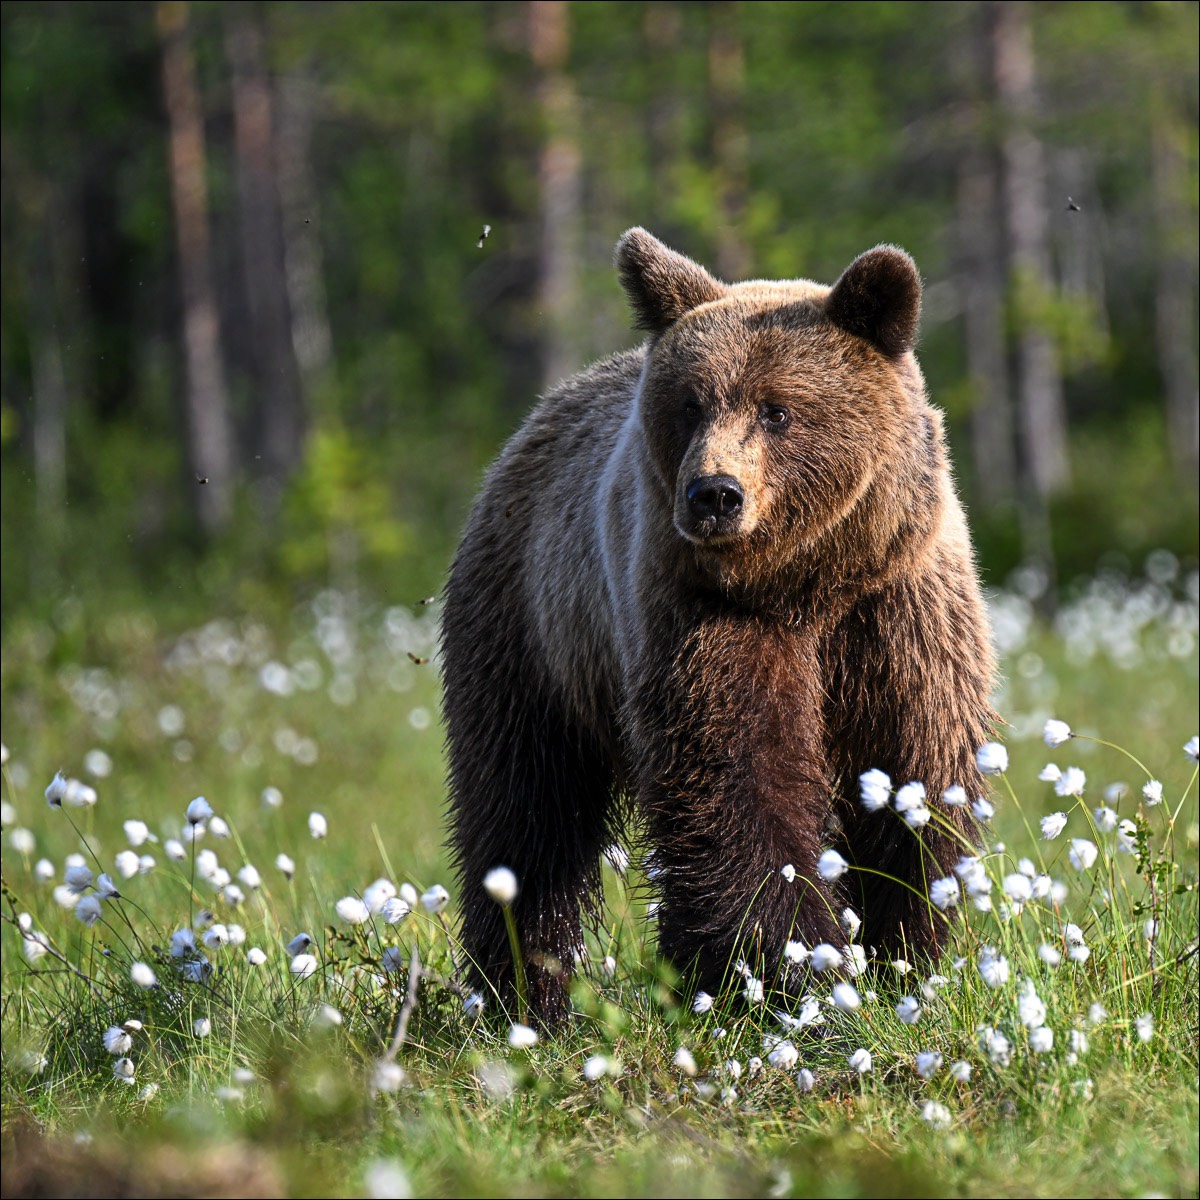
714 496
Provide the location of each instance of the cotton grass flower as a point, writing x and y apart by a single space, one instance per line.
201 1027
785 1055
1082 854
299 944
88 910
256 956
78 879
935 1115
685 1061
991 758
43 870
1050 773
1071 782
250 877
598 1066
1050 955
435 899
831 865
993 967
825 957
395 910
1041 1040
702 1003
474 1006
501 884
944 893
123 1069
286 865
352 910
960 1071
137 833
928 1063
303 966
1055 733
142 975
850 921
1106 818
522 1037
318 827
118 1041
845 996
908 1009
796 952
1192 748
1152 792
1144 1027
1018 888
805 1080
860 1061
1053 825
199 810
1030 1006
983 809
788 872
388 1076
955 796
875 790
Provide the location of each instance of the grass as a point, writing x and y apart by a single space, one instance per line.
284 1093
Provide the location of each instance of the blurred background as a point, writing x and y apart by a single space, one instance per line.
256 344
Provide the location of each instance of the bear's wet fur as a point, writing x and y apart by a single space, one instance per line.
710 582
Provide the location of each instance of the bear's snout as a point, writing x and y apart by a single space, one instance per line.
714 503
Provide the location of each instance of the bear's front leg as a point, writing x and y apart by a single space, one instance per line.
731 777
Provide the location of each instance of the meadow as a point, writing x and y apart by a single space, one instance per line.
259 993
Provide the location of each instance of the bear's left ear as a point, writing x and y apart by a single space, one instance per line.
661 285
879 298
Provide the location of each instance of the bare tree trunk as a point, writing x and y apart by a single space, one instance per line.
726 89
312 340
281 419
1175 294
49 401
560 184
983 292
1081 236
210 444
1040 408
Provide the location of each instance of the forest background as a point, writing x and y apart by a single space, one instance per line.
254 340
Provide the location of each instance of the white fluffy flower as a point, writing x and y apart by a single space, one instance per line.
388 1076
142 975
216 936
1071 782
127 863
944 893
435 898
955 796
1106 818
599 1065
1050 773
1055 733
201 1027
55 790
805 1080
474 1006
795 952
219 827
911 795
299 944
88 910
991 758
303 965
106 889
935 1115
1152 792
123 1069
788 872
702 1003
199 810
1192 748
909 1010
684 1061
352 910
395 910
1041 1039
845 996
983 809
960 1071
250 877
875 790
1030 1006
522 1037
117 1041
78 878
824 957
43 870
256 956
317 825
860 1061
1053 825
850 921
271 797
1082 854
831 865
998 1047
753 991
174 850
784 1056
928 1063
1018 888
285 864
501 884
1049 954
77 794
993 967
1144 1026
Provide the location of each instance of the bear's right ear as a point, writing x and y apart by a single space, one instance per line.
661 285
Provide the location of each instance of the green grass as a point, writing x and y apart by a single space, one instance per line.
276 1100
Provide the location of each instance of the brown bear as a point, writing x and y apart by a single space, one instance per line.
711 582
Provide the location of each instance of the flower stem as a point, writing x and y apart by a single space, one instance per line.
514 943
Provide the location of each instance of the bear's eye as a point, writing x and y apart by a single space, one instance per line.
775 416
692 410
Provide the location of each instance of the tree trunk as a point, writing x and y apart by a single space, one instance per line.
1175 292
281 419
1040 408
726 90
210 445
983 293
312 340
560 186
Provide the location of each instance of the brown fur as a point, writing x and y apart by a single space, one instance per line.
732 680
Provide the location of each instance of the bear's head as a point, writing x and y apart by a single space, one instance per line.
773 411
